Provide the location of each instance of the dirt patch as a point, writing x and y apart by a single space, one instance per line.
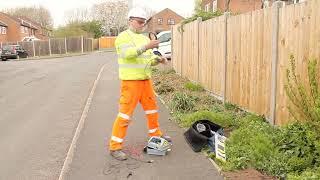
247 174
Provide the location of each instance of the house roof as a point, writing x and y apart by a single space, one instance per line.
36 24
166 9
3 24
20 21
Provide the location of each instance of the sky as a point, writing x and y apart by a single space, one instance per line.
58 8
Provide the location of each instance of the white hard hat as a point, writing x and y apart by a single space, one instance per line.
137 12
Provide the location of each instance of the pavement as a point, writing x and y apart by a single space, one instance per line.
68 83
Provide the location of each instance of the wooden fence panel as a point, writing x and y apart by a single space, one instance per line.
190 51
299 35
176 52
73 44
107 42
211 54
58 46
95 44
41 48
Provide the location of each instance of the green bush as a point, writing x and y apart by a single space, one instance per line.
221 118
251 145
230 106
309 174
275 151
182 102
199 13
300 145
305 103
193 87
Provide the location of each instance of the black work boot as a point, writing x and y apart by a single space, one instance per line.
118 155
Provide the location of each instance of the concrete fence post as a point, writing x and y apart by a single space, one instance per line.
82 44
199 20
65 45
225 53
274 58
49 43
34 49
181 54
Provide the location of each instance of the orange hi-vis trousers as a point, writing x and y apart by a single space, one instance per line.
132 92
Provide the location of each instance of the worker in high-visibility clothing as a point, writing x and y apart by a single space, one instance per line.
135 58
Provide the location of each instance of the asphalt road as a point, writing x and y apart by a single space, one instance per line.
41 104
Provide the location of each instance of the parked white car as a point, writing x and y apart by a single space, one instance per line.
165 43
30 38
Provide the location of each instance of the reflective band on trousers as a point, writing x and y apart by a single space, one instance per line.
124 116
151 111
153 130
136 66
119 140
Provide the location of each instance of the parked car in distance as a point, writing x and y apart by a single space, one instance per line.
12 52
30 38
165 43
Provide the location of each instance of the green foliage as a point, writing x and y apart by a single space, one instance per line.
182 102
221 118
300 145
309 174
305 103
164 88
275 151
93 27
193 87
88 29
169 71
251 145
204 15
230 106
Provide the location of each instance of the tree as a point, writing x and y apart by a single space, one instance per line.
93 27
111 14
87 29
73 29
197 6
38 14
77 15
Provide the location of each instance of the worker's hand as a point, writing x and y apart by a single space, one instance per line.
163 60
152 44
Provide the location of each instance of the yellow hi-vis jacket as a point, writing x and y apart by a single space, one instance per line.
134 64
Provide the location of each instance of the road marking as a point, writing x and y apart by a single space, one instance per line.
85 111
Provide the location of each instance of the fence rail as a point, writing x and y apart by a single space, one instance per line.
243 59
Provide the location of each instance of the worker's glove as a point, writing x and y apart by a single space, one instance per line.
163 60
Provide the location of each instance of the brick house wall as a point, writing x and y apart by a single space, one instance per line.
41 32
19 27
13 29
3 31
235 6
163 21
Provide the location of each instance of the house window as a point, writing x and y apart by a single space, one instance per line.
4 30
160 21
207 7
25 30
22 29
171 21
214 5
